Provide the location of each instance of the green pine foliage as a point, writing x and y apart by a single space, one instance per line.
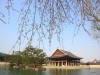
30 56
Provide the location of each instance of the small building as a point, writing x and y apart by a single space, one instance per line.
95 62
64 58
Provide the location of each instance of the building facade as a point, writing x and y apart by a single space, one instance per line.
64 58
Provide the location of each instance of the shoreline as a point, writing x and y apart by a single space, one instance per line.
73 67
6 64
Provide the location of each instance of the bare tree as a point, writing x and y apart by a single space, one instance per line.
47 17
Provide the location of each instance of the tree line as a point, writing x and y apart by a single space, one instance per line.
31 57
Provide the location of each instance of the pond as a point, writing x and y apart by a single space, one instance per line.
7 71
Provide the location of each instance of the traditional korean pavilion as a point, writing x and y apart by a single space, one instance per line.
64 58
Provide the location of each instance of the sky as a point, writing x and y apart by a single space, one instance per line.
81 45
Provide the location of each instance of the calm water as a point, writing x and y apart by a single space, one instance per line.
5 71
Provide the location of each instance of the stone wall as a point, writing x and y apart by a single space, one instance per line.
72 67
94 66
4 64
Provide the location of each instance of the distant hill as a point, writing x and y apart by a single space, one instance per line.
3 54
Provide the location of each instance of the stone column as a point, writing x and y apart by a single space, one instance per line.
58 63
74 62
51 63
78 62
54 64
62 63
66 63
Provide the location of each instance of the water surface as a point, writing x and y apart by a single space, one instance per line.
6 71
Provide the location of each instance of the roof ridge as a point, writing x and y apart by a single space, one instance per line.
70 53
63 51
67 53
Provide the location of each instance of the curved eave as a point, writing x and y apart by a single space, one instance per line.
76 57
71 55
64 56
60 56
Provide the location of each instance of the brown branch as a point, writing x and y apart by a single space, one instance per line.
2 21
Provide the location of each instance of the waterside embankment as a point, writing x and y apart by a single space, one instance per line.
4 64
72 67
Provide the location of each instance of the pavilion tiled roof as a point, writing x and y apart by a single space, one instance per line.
66 53
70 54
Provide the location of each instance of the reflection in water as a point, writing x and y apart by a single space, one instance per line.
58 72
65 72
5 71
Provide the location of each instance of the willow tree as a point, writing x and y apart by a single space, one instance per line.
47 17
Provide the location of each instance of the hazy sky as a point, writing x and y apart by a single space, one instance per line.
82 45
